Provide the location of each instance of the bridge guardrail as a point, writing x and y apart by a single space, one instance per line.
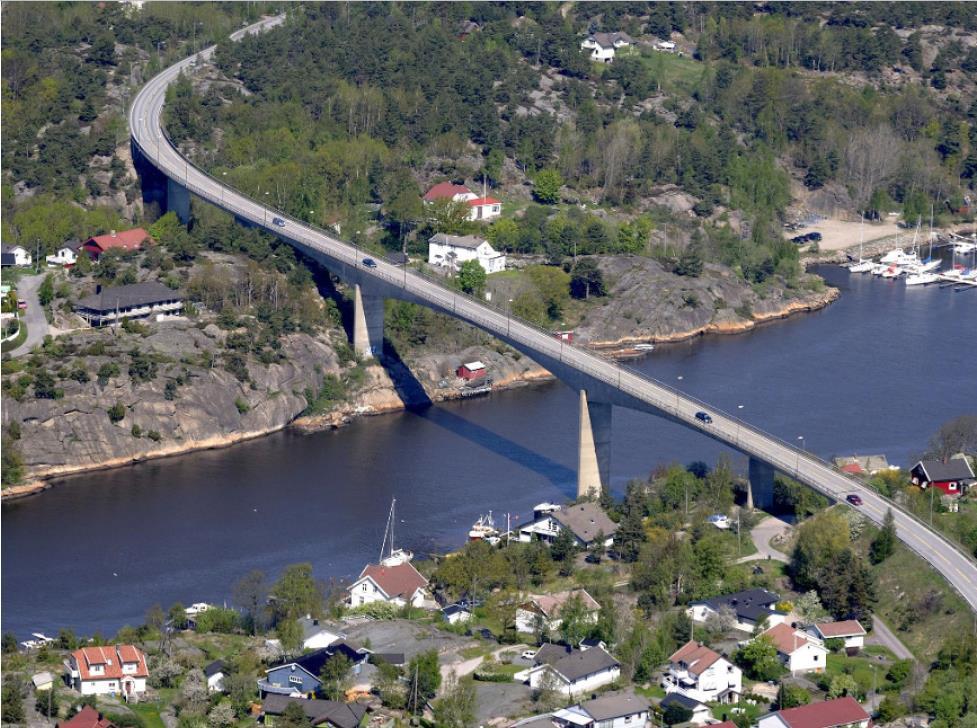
602 365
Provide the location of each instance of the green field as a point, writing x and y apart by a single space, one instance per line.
149 714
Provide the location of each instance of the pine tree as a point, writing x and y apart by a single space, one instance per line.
885 543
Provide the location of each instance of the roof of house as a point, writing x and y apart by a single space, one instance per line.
74 245
550 653
480 201
838 712
444 190
787 639
752 604
8 258
607 40
87 717
12 248
684 700
580 663
393 658
42 678
312 626
585 520
126 240
400 580
341 715
217 666
696 656
551 604
473 366
112 659
610 706
457 241
846 628
952 469
313 661
455 609
134 294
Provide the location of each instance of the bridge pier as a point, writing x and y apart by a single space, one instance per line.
178 201
761 483
367 323
594 451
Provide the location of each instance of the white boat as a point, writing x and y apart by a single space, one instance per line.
921 279
862 266
879 268
484 530
928 266
893 271
899 257
644 347
395 557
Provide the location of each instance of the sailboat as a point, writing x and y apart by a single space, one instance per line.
395 557
862 265
899 257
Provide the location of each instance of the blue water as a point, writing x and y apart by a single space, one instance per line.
878 371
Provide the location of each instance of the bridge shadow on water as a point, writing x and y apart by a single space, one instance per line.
558 474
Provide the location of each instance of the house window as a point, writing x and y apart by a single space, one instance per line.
816 657
295 679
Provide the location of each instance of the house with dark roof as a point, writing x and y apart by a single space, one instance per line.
839 713
604 46
571 671
586 521
300 677
450 251
316 634
214 672
319 712
15 255
702 674
611 710
701 713
66 255
134 301
541 612
747 608
396 583
953 476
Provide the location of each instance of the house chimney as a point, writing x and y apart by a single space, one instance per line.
112 233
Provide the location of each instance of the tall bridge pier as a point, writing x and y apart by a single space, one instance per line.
594 447
761 484
367 323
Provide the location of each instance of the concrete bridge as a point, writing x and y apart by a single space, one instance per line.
602 384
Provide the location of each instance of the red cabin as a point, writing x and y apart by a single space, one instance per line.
952 477
471 370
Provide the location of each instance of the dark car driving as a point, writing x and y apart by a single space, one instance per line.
278 221
369 263
704 417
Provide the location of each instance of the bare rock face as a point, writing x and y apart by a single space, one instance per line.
646 303
210 409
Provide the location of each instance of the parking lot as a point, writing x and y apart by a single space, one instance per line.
410 638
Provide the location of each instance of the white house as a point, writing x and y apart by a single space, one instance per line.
570 671
542 611
701 713
798 650
611 710
66 255
748 608
43 681
456 614
449 191
586 521
703 675
666 46
214 672
484 208
315 634
849 630
15 255
112 670
397 584
450 251
839 713
603 46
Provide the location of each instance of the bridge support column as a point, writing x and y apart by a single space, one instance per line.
761 483
178 201
594 453
367 324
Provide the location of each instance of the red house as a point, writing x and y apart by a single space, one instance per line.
471 370
125 241
448 191
953 477
87 717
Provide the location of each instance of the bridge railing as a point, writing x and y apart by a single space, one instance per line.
583 359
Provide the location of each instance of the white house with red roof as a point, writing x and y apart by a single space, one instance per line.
839 713
109 670
849 630
542 611
398 584
702 674
480 208
799 651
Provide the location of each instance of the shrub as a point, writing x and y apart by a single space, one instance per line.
136 431
242 406
117 412
154 436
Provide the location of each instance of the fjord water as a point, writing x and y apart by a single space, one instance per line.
878 371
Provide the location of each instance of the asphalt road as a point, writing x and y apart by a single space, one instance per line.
37 325
146 128
761 535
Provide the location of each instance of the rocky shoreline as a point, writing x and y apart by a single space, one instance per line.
401 386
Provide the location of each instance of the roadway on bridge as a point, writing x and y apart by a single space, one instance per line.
145 120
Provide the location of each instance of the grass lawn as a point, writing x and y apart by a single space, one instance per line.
149 714
17 341
869 673
674 72
655 691
918 604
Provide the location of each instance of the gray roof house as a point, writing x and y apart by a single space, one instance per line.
611 710
136 300
584 520
572 671
952 476
319 712
749 607
316 634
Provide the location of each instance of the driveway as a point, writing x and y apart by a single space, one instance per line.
767 529
882 635
37 325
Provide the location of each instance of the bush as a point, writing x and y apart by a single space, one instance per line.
242 406
136 431
107 371
154 436
117 412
